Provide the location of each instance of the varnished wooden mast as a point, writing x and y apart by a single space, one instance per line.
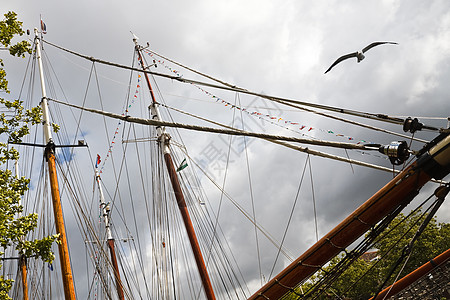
165 140
434 163
23 258
112 251
66 270
23 271
412 277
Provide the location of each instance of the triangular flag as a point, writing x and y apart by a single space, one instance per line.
43 27
98 161
182 165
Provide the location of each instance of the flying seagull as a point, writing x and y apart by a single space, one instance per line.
359 55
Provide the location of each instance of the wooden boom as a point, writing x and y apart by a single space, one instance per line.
434 162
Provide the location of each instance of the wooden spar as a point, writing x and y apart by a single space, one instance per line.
112 250
441 192
413 276
189 228
164 139
435 163
23 271
66 270
23 258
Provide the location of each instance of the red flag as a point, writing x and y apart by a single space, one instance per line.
98 161
43 27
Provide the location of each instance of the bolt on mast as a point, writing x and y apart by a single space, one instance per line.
105 213
66 270
164 140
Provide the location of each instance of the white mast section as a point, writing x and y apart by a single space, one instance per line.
44 104
104 206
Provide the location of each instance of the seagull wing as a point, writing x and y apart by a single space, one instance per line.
376 44
343 57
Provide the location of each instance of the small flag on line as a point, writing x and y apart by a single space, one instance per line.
97 162
182 165
43 27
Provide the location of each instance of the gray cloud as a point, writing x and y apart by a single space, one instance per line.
282 50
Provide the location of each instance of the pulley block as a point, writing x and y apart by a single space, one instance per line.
412 125
397 152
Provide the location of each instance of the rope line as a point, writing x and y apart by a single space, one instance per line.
379 117
257 114
222 131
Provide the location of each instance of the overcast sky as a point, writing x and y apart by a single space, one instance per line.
279 49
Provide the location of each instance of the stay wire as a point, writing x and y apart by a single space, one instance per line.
195 217
89 230
202 233
363 246
379 117
381 236
64 135
92 68
163 215
131 130
290 218
68 154
407 250
258 252
228 258
294 147
313 200
244 212
135 222
350 121
217 214
377 234
117 176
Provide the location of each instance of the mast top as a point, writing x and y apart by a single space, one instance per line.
135 38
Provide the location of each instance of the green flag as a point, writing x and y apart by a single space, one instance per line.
182 165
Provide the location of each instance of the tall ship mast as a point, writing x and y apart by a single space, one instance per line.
148 230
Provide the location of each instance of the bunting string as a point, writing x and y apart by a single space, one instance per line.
275 120
116 131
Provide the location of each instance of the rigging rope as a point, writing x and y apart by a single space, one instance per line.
298 148
407 250
259 115
379 117
313 200
222 131
251 191
290 218
245 213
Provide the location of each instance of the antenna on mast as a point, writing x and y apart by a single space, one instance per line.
135 38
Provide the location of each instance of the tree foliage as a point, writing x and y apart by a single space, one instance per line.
364 278
14 125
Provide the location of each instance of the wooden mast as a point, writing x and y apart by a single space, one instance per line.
23 271
105 212
164 140
412 277
433 163
22 258
66 270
